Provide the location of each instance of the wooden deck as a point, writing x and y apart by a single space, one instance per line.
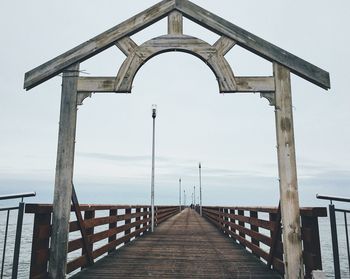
186 246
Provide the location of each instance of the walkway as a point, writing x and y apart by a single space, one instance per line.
185 246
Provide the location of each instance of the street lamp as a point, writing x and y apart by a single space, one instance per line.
194 196
180 194
154 114
200 189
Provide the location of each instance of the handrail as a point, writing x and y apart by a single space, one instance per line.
119 224
255 229
334 234
19 225
18 196
332 198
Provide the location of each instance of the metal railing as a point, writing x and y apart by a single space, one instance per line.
18 236
333 223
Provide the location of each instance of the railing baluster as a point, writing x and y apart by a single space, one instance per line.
240 223
112 212
333 222
89 214
347 239
18 240
254 214
5 242
127 221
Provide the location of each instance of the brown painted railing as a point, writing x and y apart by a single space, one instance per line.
253 228
107 227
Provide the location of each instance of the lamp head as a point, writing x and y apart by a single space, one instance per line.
154 111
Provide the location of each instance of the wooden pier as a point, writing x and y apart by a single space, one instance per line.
226 242
186 246
276 88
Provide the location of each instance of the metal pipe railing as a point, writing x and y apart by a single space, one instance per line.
334 233
333 198
19 225
17 196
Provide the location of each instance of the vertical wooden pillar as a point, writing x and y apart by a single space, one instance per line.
40 244
112 213
241 223
88 214
138 219
64 174
254 214
175 23
311 241
292 247
127 221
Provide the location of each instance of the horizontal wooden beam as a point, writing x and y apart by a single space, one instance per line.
107 84
96 84
255 84
254 43
97 44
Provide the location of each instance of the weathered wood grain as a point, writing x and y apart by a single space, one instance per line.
126 45
254 43
207 53
289 196
224 45
97 44
175 23
64 174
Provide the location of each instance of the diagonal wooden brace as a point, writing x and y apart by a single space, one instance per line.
81 224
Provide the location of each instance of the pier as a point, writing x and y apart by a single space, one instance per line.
226 242
293 248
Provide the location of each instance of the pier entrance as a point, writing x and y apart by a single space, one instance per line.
276 88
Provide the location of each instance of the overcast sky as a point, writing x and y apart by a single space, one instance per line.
232 135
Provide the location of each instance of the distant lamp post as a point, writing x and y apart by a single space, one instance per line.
184 197
194 196
200 189
154 114
180 194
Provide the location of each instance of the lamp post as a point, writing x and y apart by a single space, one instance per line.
185 197
154 114
200 189
194 196
180 194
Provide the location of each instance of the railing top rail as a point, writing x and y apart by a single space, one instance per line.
8 208
332 198
17 196
304 211
47 208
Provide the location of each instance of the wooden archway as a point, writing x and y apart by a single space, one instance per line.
276 88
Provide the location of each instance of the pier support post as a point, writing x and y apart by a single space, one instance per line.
293 260
64 174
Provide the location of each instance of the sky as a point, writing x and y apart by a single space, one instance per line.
232 135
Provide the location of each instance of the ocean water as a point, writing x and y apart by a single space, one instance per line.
24 264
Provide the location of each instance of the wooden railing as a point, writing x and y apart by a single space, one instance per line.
254 228
108 227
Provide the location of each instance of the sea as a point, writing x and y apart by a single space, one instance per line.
25 253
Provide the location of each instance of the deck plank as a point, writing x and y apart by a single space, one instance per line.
186 246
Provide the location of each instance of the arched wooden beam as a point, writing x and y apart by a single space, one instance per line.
213 56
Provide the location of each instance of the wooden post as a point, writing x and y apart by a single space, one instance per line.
127 221
64 174
254 214
138 219
112 213
240 223
89 214
311 241
175 23
292 247
40 245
